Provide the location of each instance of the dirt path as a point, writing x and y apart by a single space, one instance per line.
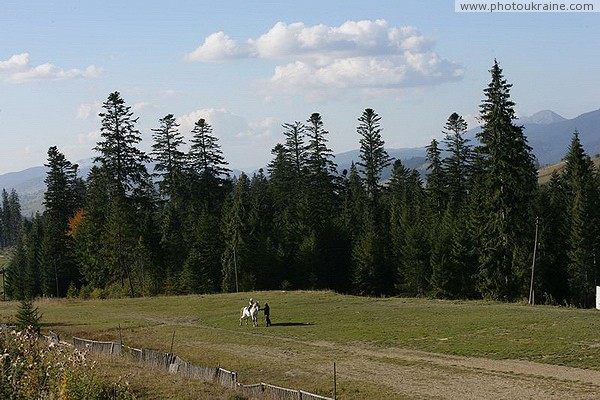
421 375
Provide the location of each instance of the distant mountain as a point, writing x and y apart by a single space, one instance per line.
551 140
545 117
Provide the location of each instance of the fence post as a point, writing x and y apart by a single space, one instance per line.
334 383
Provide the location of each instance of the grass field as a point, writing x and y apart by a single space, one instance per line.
389 338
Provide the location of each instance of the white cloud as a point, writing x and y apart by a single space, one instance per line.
218 47
17 69
85 110
227 125
90 137
14 62
260 130
357 54
143 105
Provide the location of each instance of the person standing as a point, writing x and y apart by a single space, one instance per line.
267 311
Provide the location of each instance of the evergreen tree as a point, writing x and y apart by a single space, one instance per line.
124 163
551 279
321 172
415 272
61 200
119 241
206 157
295 148
435 180
5 220
458 165
203 267
374 158
237 273
169 159
366 260
16 271
354 204
318 206
28 316
33 248
91 228
581 195
506 188
11 217
409 253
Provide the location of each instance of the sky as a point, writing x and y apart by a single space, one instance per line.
249 66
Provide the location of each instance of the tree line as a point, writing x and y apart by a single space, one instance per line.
189 227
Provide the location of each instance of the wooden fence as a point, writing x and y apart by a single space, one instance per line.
176 365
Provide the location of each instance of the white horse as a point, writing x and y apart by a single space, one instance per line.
250 312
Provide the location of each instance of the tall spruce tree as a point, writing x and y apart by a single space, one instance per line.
374 158
506 188
170 161
33 248
237 271
122 160
11 217
458 164
131 189
436 185
61 200
295 148
581 209
206 157
16 269
321 173
208 169
91 229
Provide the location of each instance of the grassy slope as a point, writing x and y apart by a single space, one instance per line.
545 173
206 328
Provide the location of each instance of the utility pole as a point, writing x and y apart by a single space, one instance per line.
235 242
235 270
535 245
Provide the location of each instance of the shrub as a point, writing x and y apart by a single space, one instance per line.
32 368
98 293
72 292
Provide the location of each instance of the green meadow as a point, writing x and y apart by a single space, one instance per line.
312 330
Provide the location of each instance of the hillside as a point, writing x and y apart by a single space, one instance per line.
545 173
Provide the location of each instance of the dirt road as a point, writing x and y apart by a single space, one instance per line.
409 374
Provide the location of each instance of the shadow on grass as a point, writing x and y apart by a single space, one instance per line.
291 324
57 324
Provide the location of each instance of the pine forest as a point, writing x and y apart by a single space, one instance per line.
177 221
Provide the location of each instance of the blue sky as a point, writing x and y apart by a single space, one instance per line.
249 66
